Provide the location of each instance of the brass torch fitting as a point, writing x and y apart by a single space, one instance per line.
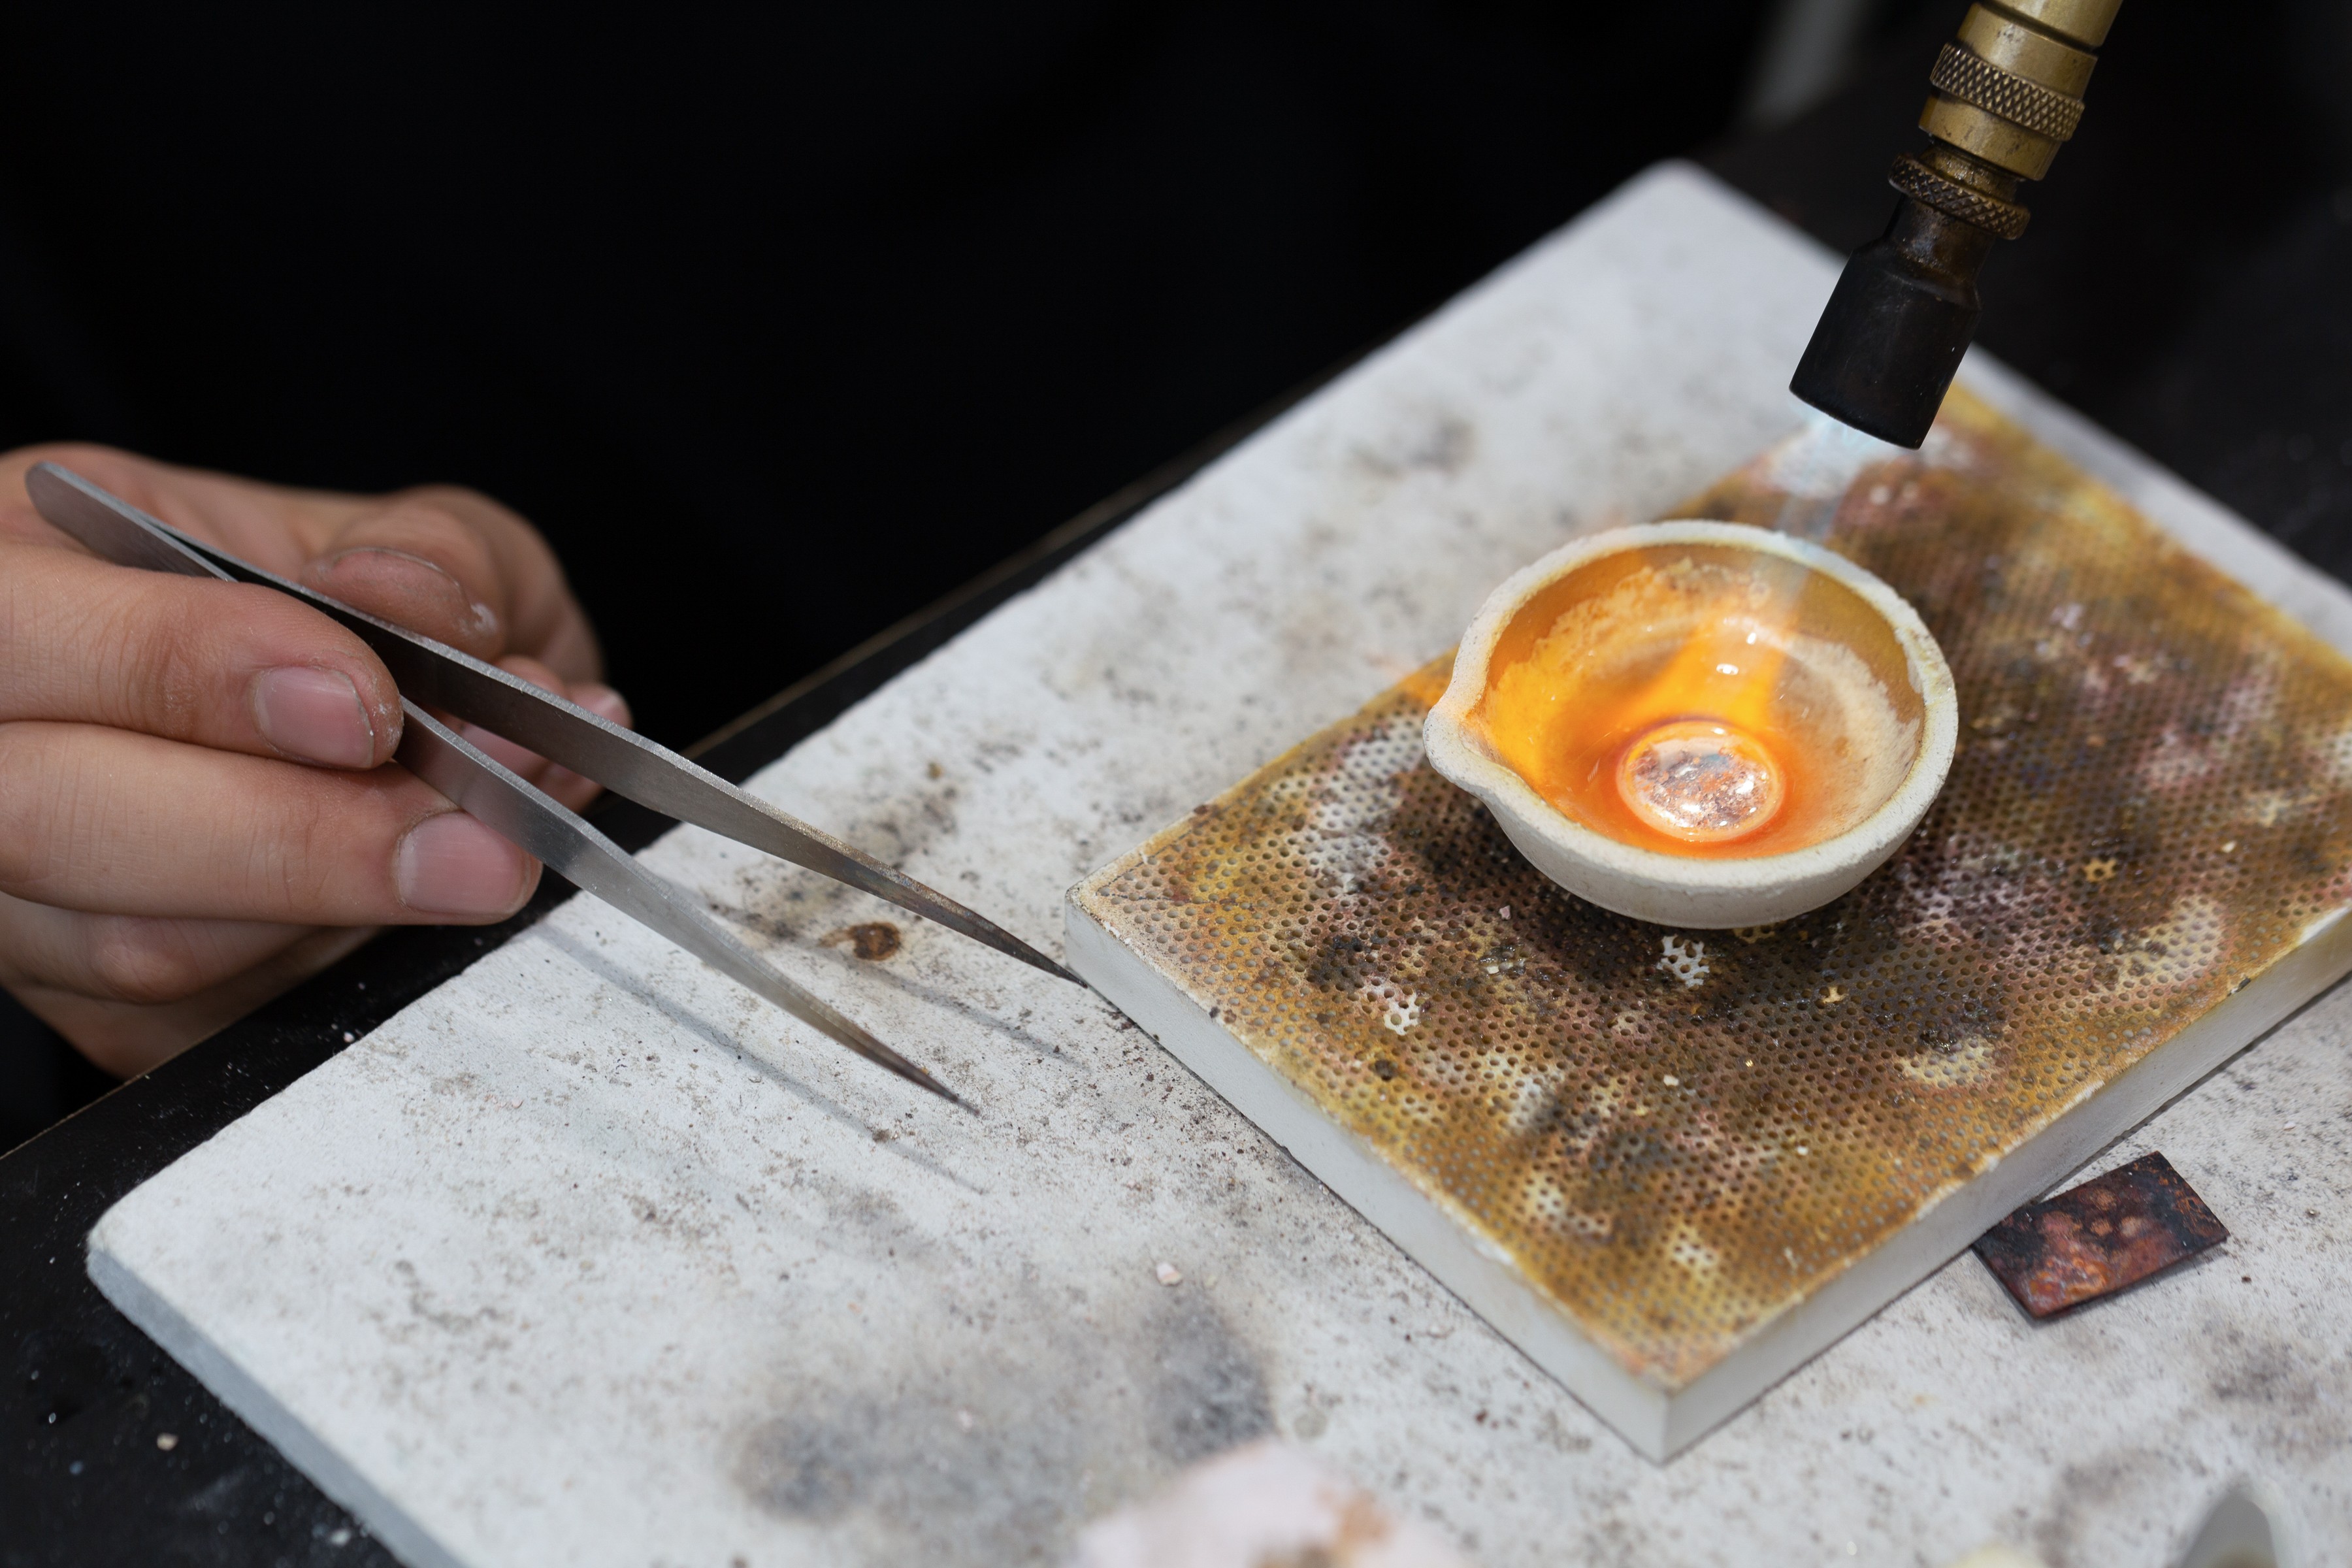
2005 95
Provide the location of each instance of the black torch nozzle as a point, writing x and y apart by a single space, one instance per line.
1894 329
2003 97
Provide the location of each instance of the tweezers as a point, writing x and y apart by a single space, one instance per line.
433 675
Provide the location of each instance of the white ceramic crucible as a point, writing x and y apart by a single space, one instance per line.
1856 670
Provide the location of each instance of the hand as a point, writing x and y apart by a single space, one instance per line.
198 802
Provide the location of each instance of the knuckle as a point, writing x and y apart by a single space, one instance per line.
144 962
456 503
436 515
155 670
328 854
33 786
314 863
170 659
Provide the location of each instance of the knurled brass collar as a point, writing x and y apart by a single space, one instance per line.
1960 73
1921 183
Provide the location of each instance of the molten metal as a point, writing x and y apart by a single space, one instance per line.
1700 781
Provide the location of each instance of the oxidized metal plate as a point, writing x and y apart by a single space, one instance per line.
1679 1135
2093 1240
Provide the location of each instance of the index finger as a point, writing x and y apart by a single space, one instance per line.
225 665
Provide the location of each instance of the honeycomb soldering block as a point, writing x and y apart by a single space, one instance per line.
1673 1165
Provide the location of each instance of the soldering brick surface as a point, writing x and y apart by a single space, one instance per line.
590 1258
1678 1137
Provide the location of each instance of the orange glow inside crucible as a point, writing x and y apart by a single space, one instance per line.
1696 702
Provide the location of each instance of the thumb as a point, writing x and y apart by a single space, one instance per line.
421 566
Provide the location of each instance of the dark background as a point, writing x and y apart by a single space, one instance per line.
779 322
782 323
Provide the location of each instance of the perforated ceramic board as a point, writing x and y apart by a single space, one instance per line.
1671 1166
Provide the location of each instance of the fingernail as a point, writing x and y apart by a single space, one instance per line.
314 714
452 864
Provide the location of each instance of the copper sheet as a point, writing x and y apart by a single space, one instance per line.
1679 1135
2108 1234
